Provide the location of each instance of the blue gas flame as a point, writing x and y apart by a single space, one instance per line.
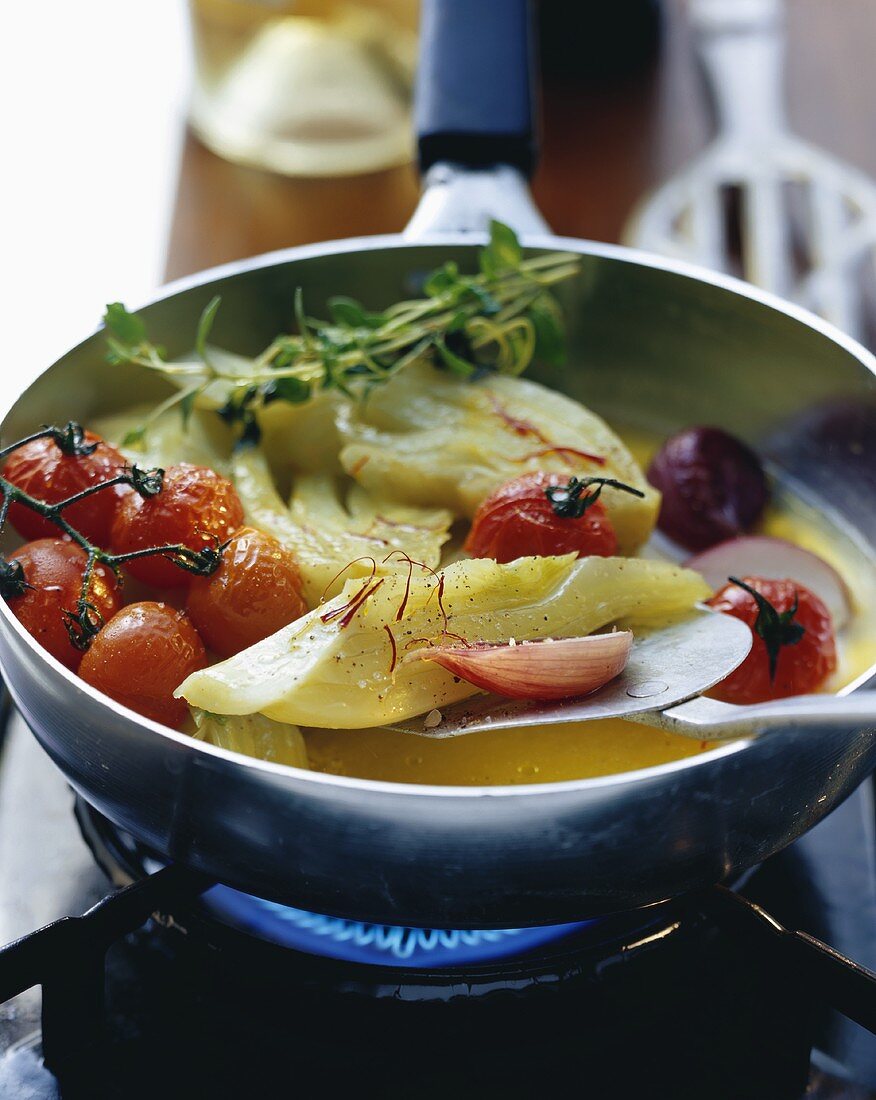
389 945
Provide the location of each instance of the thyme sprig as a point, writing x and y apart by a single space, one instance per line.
497 320
570 501
85 621
776 628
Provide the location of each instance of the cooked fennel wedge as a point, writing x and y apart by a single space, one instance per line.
342 665
426 438
253 735
334 540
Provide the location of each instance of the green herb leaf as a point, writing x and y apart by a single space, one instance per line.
550 339
294 390
187 406
502 253
442 280
127 328
135 437
127 339
347 311
205 324
487 303
300 318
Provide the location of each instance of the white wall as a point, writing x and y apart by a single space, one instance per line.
92 97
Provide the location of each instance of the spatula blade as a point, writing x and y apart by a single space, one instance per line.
666 667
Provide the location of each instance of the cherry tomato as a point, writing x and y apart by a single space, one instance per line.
141 657
254 592
520 520
196 507
54 568
794 648
45 472
713 485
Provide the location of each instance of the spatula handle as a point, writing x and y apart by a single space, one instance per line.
740 46
711 720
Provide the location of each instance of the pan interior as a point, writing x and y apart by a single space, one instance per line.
650 349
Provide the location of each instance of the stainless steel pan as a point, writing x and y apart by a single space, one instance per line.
651 341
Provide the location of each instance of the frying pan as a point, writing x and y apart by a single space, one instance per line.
651 341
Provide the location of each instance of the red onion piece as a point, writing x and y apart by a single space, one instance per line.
713 487
775 559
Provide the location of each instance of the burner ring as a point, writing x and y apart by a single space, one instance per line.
224 914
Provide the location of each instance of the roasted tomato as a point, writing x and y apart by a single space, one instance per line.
195 508
255 591
53 568
141 656
794 648
45 471
713 485
541 514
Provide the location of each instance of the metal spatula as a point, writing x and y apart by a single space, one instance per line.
759 201
667 671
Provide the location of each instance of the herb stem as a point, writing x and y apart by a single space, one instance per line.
493 321
177 398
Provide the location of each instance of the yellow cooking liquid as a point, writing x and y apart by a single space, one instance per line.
544 754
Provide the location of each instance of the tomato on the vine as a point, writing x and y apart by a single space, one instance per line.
794 648
543 514
141 657
255 591
195 508
42 470
54 569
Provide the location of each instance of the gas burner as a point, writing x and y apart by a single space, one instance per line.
703 1016
221 912
705 1012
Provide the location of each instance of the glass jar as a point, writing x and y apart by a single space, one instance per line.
305 87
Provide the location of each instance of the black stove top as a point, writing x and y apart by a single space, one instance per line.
206 1003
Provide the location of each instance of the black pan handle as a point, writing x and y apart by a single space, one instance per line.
474 95
841 983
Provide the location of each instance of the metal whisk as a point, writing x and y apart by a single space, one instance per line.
759 201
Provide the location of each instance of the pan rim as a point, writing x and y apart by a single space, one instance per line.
549 241
621 253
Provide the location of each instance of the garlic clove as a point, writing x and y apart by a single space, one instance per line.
551 668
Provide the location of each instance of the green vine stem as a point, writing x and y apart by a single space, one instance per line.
85 622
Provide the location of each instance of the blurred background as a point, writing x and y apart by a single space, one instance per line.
148 139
